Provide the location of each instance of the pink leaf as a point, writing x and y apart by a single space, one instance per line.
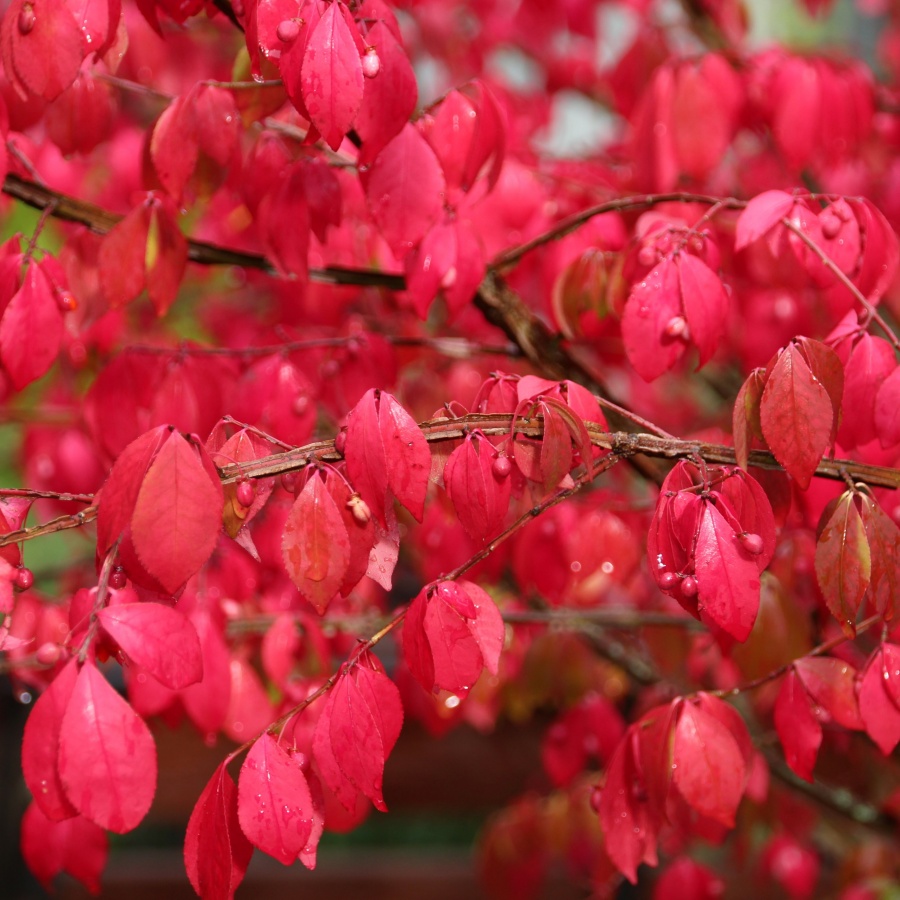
705 305
880 714
332 76
107 758
275 808
315 544
75 846
206 702
458 661
798 729
479 496
796 415
40 746
832 684
652 305
216 853
389 98
31 329
727 575
44 58
158 638
177 514
120 492
405 190
887 410
173 146
416 646
763 212
327 761
710 767
487 626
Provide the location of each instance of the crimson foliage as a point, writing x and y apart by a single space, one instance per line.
310 311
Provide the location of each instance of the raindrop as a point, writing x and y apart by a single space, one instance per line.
24 697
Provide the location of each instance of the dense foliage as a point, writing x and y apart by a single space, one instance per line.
348 397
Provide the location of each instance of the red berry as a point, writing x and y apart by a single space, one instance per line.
689 587
596 797
830 223
647 256
66 302
48 654
340 441
501 467
117 578
27 18
668 580
289 481
752 543
24 578
287 30
371 64
245 493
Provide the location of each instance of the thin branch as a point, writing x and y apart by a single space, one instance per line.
841 276
572 223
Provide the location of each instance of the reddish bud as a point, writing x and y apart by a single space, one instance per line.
677 327
289 481
300 404
27 18
245 493
340 441
752 543
596 796
501 467
24 578
647 256
117 578
831 225
689 587
66 302
287 31
668 580
48 654
359 508
371 64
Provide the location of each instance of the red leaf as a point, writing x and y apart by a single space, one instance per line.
207 701
44 58
416 646
762 213
458 661
107 758
31 329
177 514
705 305
386 551
173 147
871 362
389 99
826 368
332 79
216 853
479 496
122 257
887 410
283 215
487 626
363 726
727 575
891 666
652 305
387 450
630 825
158 638
316 545
797 416
405 190
556 448
120 492
798 729
832 684
275 808
879 713
843 561
165 256
883 537
710 771
882 252
75 846
327 761
40 746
